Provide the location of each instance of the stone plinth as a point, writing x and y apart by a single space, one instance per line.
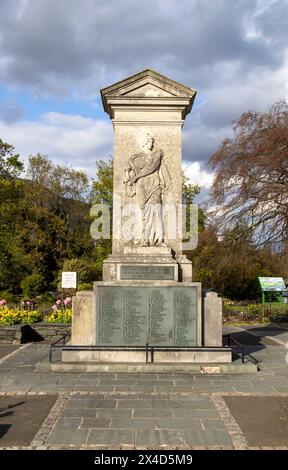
115 266
126 313
148 256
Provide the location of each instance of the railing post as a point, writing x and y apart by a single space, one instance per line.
152 354
243 353
147 353
228 339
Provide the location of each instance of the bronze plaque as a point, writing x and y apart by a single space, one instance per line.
150 272
136 315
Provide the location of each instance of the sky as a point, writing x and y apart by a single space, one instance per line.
56 55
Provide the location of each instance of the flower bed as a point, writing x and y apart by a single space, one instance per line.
9 316
61 311
60 316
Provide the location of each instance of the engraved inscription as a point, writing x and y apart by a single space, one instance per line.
110 316
147 272
135 317
132 315
160 316
185 316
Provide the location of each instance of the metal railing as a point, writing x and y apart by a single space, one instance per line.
56 344
242 346
147 348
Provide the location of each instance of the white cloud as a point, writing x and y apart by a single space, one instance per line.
73 140
198 176
54 46
233 52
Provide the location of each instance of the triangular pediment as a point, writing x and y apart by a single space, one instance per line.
147 88
146 85
145 82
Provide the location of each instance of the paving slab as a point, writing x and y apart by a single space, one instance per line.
178 423
207 437
6 349
210 414
158 438
121 422
21 417
263 420
79 413
64 436
95 423
152 413
212 424
108 413
111 436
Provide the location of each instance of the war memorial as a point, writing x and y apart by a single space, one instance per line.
147 307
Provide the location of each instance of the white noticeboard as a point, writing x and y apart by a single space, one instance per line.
69 280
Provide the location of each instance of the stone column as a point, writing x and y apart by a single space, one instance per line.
148 104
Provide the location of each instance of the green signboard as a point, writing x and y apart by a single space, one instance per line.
272 284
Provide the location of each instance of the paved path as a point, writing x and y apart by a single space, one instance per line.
149 411
6 349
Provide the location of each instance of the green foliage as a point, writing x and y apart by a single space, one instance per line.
253 312
12 267
204 276
8 296
231 264
102 191
189 191
85 268
61 316
46 298
253 309
57 215
44 220
85 286
33 285
10 165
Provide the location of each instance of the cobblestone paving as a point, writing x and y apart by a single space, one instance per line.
147 411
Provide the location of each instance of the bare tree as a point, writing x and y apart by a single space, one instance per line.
251 180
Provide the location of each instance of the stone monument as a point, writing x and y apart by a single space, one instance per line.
147 296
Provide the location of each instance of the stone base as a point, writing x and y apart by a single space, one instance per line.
151 368
147 256
197 355
87 307
154 368
100 316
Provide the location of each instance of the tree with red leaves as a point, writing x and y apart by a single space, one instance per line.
251 175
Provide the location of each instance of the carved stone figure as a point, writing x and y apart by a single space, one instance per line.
146 179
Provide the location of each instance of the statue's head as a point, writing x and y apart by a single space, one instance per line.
148 141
